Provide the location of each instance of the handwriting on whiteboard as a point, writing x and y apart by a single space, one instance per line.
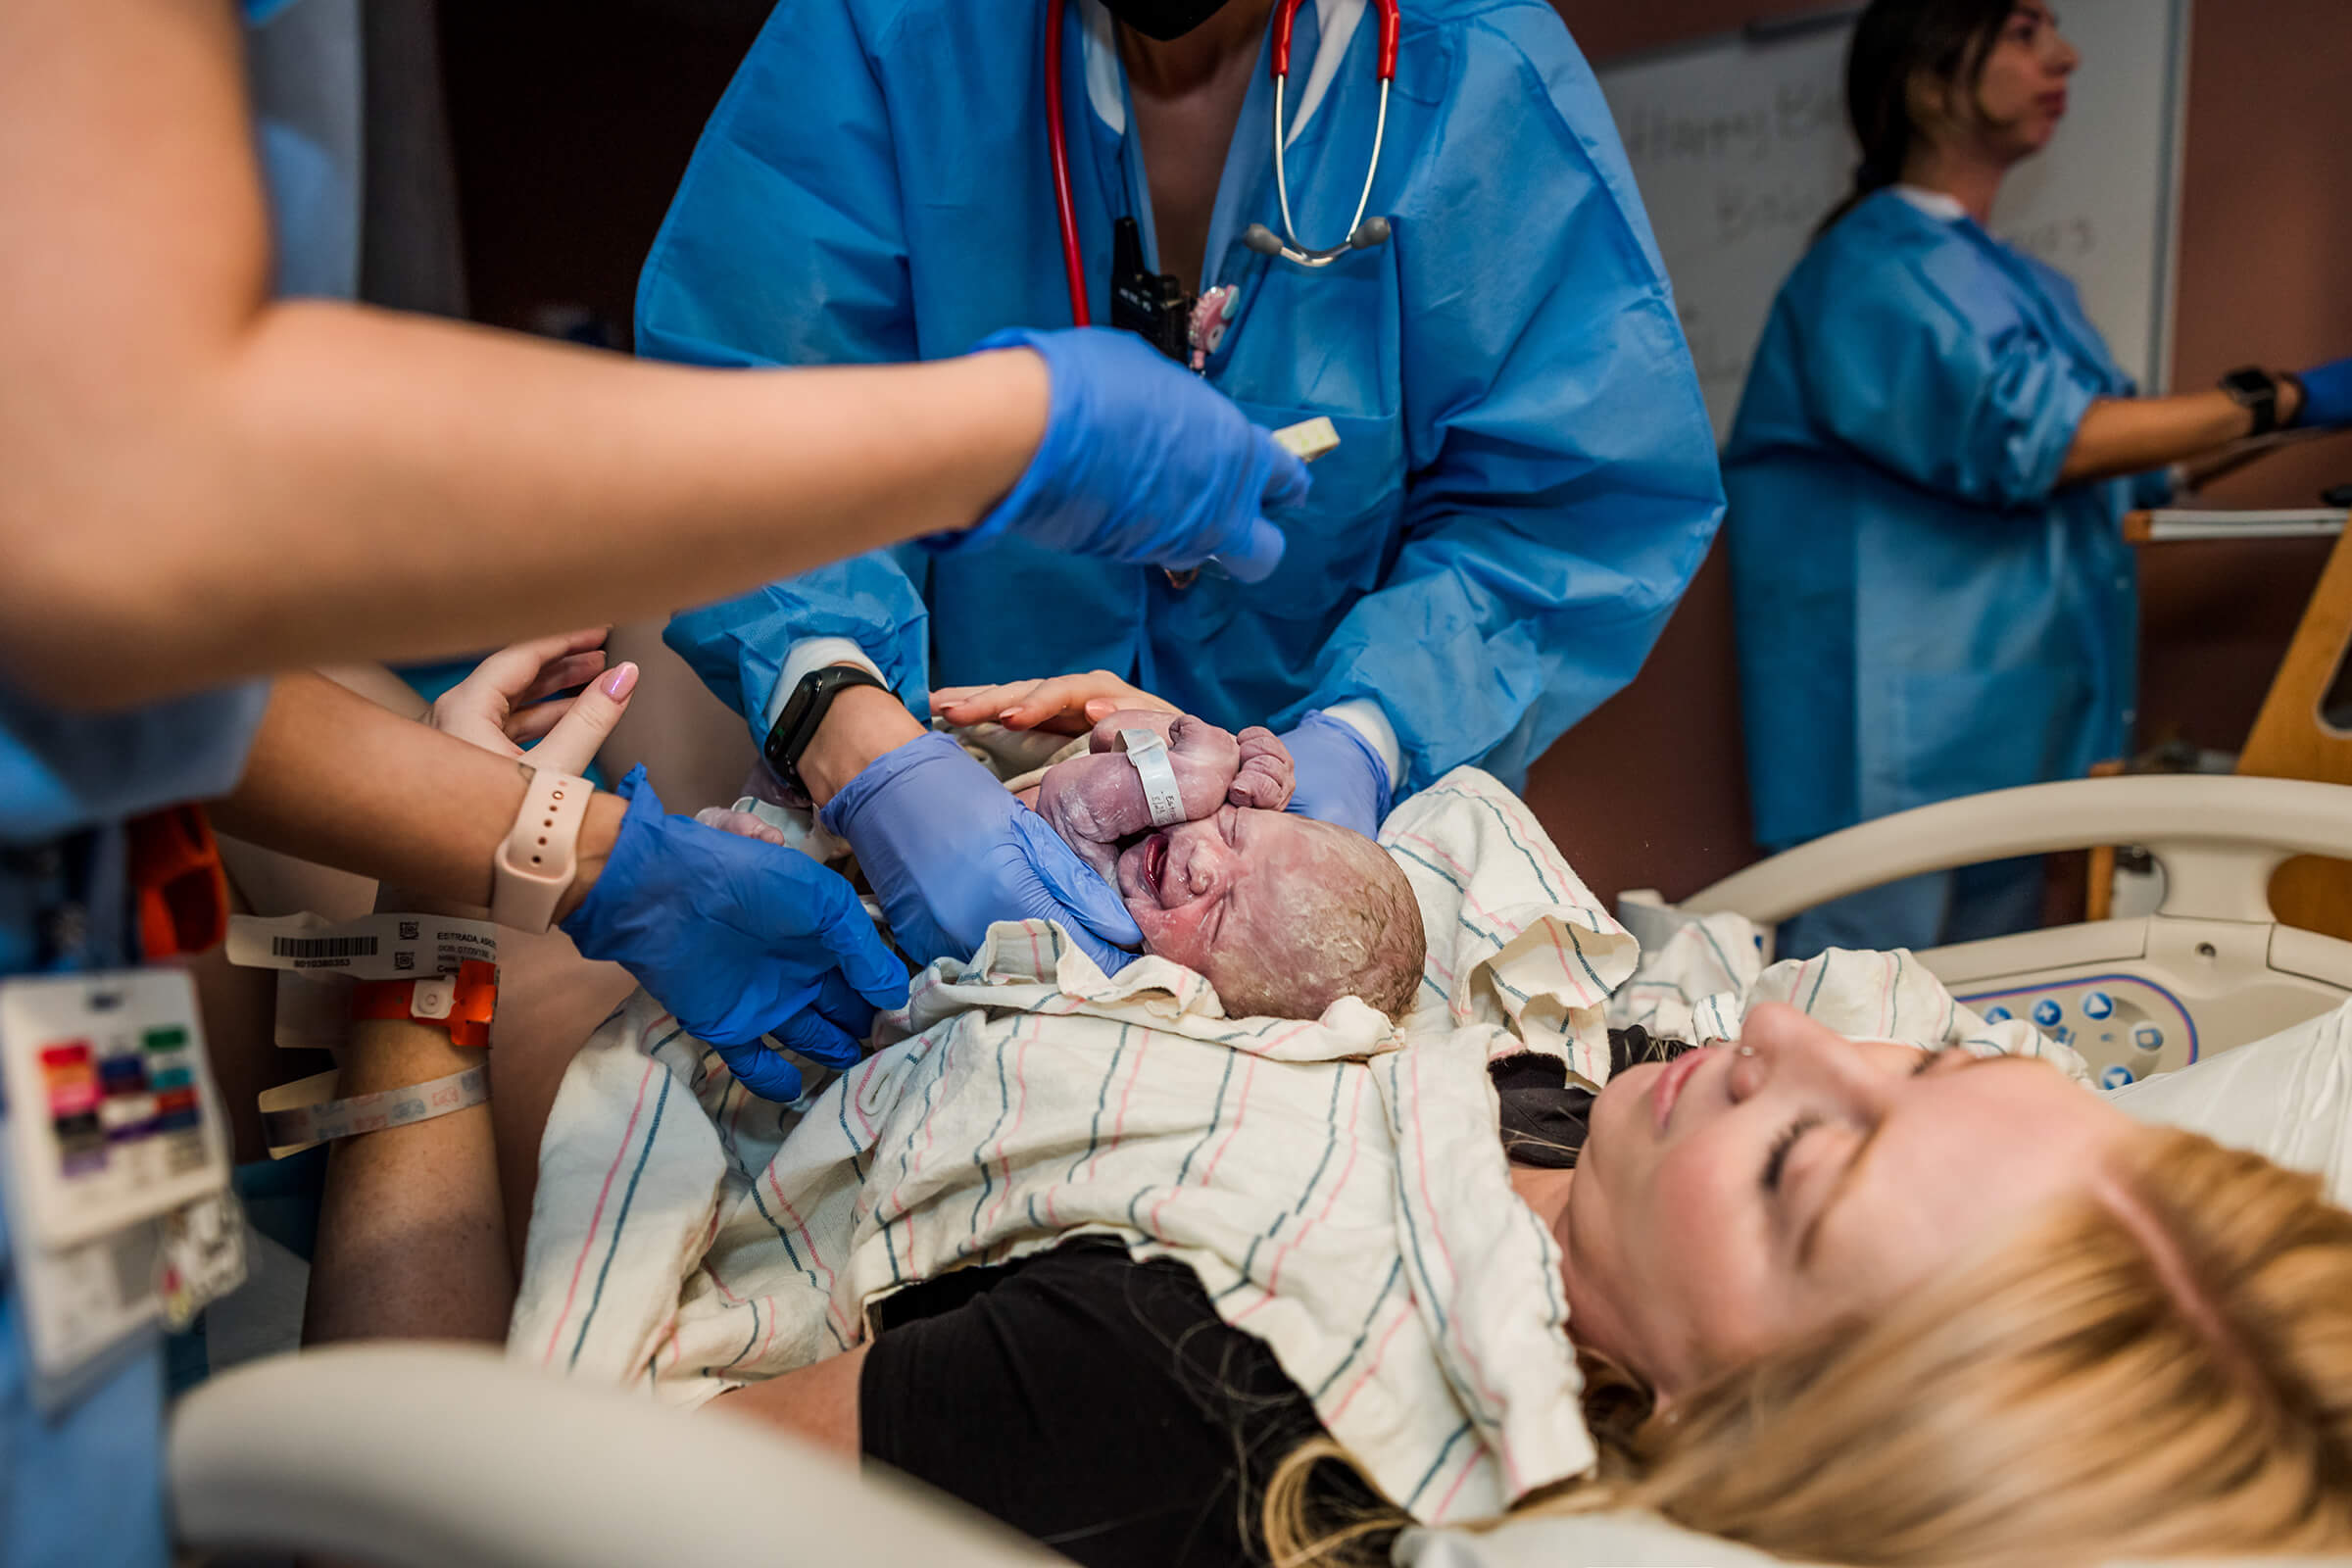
1740 148
1793 112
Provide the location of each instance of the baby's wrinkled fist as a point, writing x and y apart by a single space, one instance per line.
1097 800
1213 765
1265 776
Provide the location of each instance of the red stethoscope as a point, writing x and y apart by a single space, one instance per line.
1362 234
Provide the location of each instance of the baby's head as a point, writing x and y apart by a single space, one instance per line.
1283 913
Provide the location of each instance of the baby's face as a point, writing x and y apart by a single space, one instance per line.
1245 897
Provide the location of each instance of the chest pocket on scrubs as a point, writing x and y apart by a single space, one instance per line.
1340 542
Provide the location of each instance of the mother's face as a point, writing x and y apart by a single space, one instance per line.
1727 1203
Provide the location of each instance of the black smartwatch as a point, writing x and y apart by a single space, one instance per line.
2256 390
804 711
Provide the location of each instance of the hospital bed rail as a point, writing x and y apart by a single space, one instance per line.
2212 968
452 1457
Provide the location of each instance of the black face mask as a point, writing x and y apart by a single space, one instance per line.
1163 19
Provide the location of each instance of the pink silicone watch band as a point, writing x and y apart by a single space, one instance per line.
539 859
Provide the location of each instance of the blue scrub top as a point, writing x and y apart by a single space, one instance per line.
1525 480
86 1485
1924 611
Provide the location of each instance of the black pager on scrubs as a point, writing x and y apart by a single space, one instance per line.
1152 305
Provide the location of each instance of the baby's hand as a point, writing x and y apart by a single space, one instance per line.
1264 779
1254 766
743 824
1205 759
1097 800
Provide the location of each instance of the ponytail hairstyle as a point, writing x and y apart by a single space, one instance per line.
1897 45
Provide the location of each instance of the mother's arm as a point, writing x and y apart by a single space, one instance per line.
170 436
817 1402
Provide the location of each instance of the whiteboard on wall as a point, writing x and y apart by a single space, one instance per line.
1740 145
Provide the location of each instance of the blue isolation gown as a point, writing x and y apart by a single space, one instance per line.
85 1486
1525 480
1924 611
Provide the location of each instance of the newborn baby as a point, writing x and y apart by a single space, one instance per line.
1283 913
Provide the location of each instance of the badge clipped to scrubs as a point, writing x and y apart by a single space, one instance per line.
115 1167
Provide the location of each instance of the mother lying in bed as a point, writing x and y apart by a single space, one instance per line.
1157 1284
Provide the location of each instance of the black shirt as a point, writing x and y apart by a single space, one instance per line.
1101 1406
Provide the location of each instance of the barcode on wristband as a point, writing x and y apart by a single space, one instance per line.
375 947
323 946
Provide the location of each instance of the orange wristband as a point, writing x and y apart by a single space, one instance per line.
462 1004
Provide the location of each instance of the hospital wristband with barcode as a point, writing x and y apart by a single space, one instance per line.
379 1112
1148 750
462 1003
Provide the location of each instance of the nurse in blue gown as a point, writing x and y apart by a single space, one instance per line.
1525 480
1927 479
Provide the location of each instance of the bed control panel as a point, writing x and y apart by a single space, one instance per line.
2125 1027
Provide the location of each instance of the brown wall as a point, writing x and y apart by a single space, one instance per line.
573 119
2265 220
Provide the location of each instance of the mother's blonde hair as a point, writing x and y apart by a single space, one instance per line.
2161 1369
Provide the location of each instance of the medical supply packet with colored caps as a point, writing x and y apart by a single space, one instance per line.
114 1166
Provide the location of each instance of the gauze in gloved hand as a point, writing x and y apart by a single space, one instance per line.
1340 778
949 852
738 939
1143 463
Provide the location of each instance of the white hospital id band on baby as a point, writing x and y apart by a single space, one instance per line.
1148 752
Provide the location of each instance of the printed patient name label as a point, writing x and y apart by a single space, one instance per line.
375 947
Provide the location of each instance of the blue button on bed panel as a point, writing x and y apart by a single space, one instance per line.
2114 1077
2047 1014
2000 1016
2098 1005
2147 1037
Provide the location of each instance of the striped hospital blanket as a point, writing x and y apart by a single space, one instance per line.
1337 1184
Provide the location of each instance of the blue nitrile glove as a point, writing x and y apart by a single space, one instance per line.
737 937
949 852
1340 778
1143 463
2327 396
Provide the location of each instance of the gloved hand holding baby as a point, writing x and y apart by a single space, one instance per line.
1283 913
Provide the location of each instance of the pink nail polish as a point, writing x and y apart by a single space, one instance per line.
620 682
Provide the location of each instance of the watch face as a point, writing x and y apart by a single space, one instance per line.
796 726
2246 383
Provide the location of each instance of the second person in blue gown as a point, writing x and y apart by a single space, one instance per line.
1927 477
